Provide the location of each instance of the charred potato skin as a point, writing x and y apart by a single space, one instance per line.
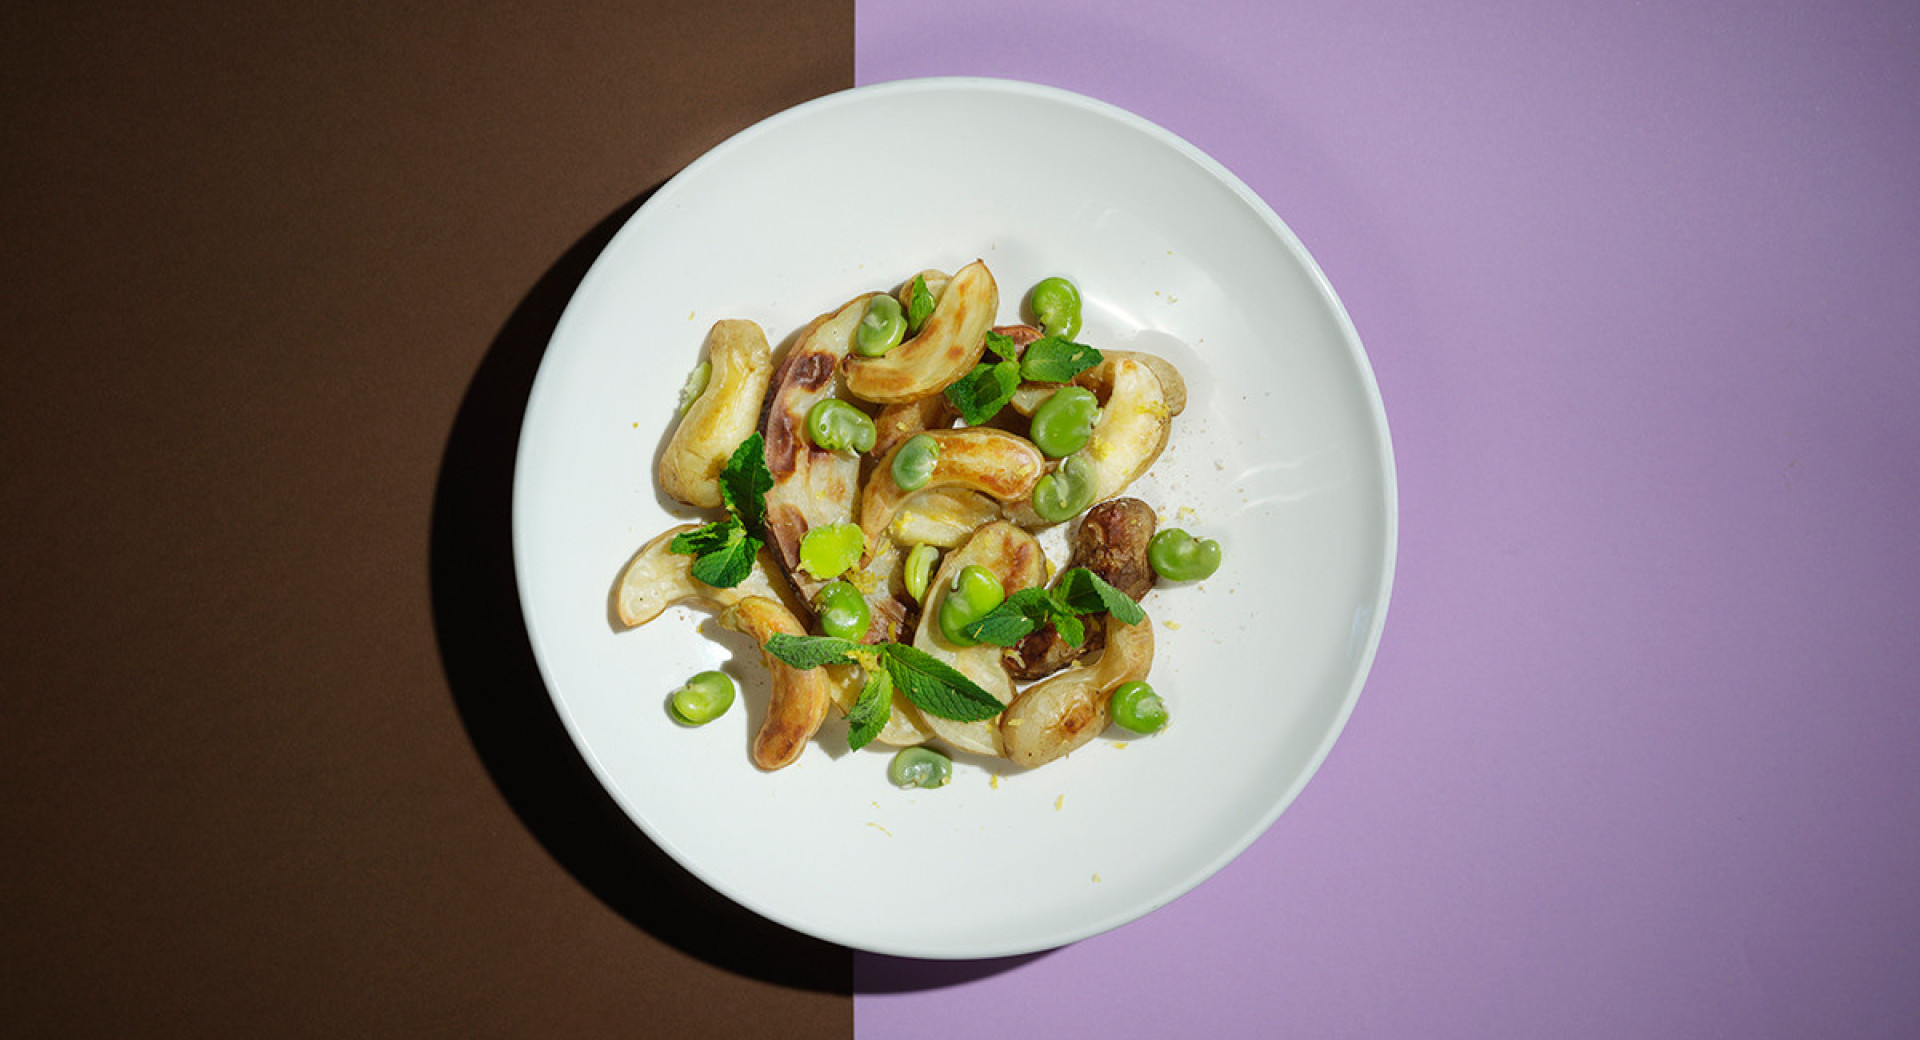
1112 543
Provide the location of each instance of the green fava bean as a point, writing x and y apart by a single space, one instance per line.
913 463
842 610
827 551
1178 556
974 592
918 571
1065 492
1134 706
1063 422
835 425
1056 303
705 697
919 766
695 385
882 328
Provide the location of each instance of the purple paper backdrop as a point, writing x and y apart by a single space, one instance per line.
1640 755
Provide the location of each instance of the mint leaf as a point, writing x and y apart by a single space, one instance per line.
1003 346
1051 359
871 712
707 538
936 687
729 565
1016 616
1071 629
919 305
1085 592
744 483
805 652
980 394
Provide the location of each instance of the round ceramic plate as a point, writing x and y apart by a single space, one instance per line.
1282 455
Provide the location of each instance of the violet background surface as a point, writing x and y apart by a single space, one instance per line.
1640 754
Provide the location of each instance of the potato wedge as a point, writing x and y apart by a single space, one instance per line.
897 422
976 458
657 578
721 417
1132 431
811 487
1059 714
1015 557
942 517
948 346
800 696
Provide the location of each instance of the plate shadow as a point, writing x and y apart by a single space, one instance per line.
504 704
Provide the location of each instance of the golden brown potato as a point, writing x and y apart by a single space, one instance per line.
722 416
1111 541
800 696
1054 716
942 517
897 422
657 578
976 458
811 487
947 347
1015 557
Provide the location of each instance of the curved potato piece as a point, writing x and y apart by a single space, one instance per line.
1132 430
1056 715
977 458
942 517
721 417
1015 557
1133 427
897 422
936 284
1173 386
1111 541
657 578
800 697
947 347
905 726
811 487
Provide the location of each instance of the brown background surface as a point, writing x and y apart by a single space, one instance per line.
276 280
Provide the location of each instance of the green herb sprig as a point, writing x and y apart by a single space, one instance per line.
724 550
980 394
929 683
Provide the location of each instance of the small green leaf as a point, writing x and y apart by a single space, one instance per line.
1071 629
980 394
1016 616
936 687
920 305
725 567
1002 346
744 484
805 652
1051 359
707 538
1085 592
871 712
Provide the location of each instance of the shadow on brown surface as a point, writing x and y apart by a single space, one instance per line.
505 706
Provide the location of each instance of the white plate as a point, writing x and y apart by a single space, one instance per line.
1282 455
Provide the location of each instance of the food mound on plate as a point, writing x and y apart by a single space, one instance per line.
885 488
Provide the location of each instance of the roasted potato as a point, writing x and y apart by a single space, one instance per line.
1017 560
1056 715
722 416
946 348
